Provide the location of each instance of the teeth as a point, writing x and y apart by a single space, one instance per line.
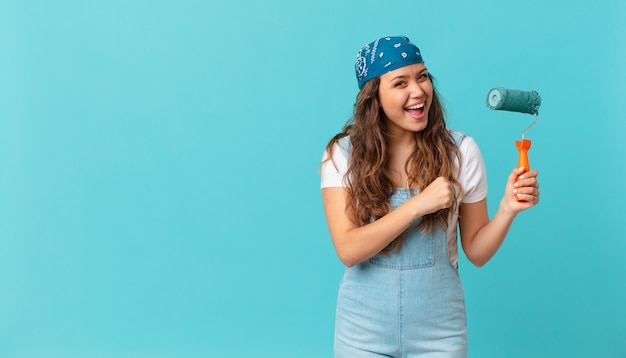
417 106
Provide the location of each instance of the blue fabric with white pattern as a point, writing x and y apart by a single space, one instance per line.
384 55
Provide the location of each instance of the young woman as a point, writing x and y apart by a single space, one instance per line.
395 184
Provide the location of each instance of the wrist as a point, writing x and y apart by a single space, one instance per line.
505 210
417 208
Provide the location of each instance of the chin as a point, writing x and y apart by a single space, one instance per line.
417 127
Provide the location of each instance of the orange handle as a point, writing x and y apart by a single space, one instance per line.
522 161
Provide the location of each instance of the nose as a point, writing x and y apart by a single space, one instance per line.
416 89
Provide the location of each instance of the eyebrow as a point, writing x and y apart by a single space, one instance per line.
405 76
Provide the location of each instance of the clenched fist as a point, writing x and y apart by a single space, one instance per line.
436 196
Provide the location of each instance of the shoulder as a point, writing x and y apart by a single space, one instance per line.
344 146
467 145
472 173
335 163
457 136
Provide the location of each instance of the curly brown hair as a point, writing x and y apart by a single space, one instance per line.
368 174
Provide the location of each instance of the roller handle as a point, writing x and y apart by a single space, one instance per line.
522 160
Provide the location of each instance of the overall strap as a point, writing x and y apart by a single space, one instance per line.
346 146
458 137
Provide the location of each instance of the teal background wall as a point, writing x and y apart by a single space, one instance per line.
159 193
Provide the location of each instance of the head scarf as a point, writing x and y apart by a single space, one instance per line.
384 55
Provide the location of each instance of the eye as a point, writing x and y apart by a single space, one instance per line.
399 84
423 76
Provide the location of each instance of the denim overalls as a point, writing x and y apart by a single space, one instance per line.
409 303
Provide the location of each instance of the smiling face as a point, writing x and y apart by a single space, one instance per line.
405 96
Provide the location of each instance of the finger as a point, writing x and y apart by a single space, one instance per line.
515 173
524 181
528 174
526 193
526 190
528 198
531 173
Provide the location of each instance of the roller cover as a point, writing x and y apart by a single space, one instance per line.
513 100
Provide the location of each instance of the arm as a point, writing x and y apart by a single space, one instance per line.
481 238
355 243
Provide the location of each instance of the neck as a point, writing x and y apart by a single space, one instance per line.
402 143
400 150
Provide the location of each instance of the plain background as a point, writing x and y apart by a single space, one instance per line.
159 187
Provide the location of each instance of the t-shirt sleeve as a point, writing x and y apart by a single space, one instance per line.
333 171
473 175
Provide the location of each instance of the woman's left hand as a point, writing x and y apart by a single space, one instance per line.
522 190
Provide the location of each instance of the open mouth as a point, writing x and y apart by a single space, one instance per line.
416 110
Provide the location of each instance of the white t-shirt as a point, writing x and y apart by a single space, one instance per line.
472 177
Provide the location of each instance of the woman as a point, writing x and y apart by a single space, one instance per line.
395 183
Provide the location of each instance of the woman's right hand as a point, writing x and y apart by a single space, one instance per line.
436 196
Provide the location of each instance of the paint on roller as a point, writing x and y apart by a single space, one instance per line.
513 100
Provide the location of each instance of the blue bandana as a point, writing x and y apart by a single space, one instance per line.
384 55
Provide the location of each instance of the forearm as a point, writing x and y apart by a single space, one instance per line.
356 243
361 243
480 237
489 238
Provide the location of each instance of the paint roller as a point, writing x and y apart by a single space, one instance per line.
517 101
